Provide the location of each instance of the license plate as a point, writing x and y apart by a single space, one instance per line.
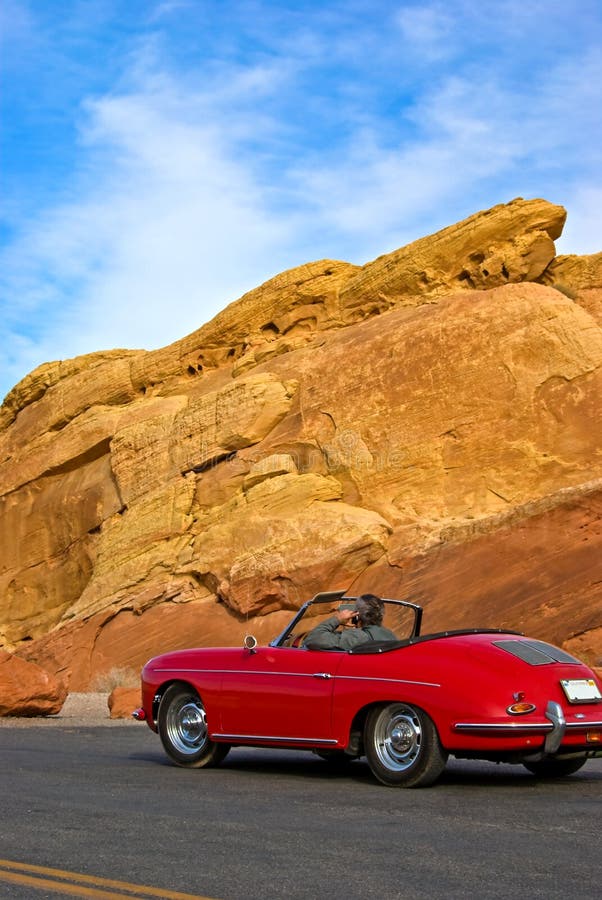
581 690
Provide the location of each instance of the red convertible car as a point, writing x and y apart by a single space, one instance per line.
404 704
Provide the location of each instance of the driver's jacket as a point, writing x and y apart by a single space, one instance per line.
326 637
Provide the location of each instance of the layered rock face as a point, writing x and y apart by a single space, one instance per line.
426 426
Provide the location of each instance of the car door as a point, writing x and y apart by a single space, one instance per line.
279 693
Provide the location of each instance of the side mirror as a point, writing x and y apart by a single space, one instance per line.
250 643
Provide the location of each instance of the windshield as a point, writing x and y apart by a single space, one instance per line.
400 616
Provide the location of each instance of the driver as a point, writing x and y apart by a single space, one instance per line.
363 621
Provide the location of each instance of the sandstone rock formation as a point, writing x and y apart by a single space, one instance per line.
425 426
27 690
123 701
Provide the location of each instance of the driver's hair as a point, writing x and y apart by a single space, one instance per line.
370 609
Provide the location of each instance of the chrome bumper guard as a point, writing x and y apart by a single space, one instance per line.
554 738
556 716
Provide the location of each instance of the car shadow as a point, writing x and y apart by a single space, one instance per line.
465 773
306 765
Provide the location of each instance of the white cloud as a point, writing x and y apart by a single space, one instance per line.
165 227
381 193
167 8
194 185
426 31
475 141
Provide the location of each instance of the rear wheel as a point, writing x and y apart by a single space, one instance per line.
555 768
403 747
182 725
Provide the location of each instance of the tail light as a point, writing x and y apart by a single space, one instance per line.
520 708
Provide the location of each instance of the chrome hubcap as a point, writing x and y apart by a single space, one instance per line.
187 725
398 737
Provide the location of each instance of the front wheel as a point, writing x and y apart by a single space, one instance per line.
182 725
555 768
402 746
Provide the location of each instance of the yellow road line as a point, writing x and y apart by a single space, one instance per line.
73 883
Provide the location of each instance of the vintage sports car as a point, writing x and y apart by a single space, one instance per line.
405 705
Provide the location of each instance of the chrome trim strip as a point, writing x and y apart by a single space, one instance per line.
180 669
245 672
583 725
389 680
273 738
502 726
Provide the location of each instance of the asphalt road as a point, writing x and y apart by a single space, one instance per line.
105 803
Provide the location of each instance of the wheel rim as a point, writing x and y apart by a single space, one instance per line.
187 725
398 738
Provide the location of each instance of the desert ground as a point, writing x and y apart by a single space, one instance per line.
80 709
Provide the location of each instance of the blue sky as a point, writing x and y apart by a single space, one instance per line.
158 159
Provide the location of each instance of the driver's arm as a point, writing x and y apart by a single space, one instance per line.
326 637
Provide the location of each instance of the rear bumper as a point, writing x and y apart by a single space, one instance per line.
560 738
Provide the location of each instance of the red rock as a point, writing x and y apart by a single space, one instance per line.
123 701
27 690
535 570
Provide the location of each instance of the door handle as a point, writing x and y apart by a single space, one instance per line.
322 675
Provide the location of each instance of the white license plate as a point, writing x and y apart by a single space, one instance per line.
581 690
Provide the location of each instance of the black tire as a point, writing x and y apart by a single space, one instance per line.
182 727
555 768
403 747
